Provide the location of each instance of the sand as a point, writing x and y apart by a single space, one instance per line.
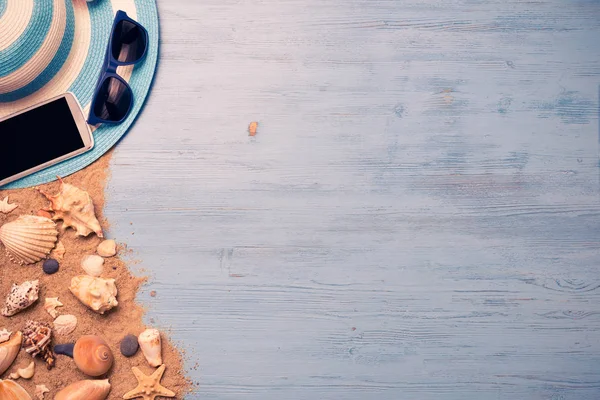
113 326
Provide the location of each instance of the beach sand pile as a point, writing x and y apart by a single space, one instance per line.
125 319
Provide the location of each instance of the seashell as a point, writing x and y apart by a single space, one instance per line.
107 248
96 293
40 390
9 351
5 208
26 373
150 344
252 128
92 355
59 251
20 297
65 324
93 265
50 305
29 238
85 390
4 335
75 208
38 337
11 390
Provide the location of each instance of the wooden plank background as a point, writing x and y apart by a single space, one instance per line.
417 217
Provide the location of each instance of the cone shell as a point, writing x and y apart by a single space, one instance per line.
150 344
11 390
9 351
29 238
20 297
85 390
96 293
92 355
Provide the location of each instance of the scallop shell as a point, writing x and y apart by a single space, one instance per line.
92 355
150 344
29 238
96 293
38 337
11 390
65 324
9 351
85 390
20 297
50 305
76 209
93 265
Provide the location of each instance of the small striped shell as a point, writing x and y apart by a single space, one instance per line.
29 238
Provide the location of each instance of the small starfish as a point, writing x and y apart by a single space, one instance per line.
40 390
5 207
149 387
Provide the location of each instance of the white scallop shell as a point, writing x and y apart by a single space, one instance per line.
93 265
65 324
150 344
29 238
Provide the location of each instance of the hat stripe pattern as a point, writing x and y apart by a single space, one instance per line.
78 72
47 61
29 42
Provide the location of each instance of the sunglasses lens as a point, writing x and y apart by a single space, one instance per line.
113 100
128 42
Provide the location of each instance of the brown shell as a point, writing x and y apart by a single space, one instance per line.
92 355
29 238
85 390
11 390
38 340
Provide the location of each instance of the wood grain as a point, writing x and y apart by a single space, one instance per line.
416 218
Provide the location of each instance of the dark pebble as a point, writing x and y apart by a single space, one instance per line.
129 345
50 266
65 349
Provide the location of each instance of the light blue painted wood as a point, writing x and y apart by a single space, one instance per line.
417 218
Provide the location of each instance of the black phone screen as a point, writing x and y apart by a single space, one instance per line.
37 136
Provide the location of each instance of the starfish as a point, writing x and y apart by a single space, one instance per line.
5 207
149 387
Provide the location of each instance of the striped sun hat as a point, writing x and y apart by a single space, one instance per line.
48 47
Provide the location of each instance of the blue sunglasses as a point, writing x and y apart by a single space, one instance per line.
113 97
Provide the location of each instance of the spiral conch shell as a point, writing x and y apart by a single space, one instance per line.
76 209
20 297
92 355
85 390
29 238
9 351
11 390
150 344
97 293
38 337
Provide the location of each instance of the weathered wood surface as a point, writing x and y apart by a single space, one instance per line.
417 218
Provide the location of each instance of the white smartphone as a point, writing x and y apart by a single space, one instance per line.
42 135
